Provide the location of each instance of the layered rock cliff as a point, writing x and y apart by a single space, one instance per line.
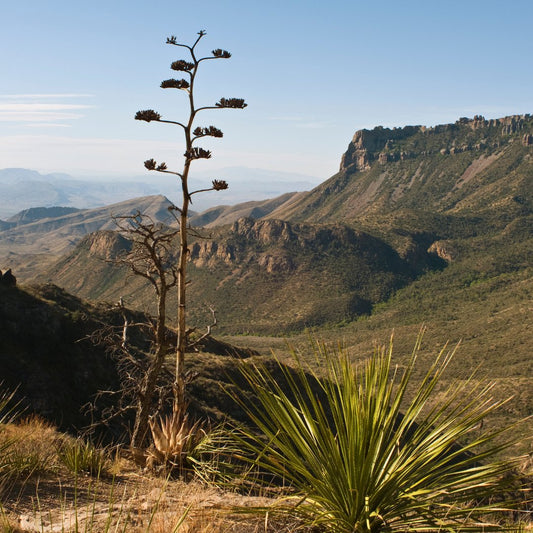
385 144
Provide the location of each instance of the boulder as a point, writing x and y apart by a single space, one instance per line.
7 279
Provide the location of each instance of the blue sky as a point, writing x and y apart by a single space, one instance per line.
74 74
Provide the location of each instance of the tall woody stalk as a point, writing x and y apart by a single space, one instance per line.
192 133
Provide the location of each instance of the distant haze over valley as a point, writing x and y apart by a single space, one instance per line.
24 188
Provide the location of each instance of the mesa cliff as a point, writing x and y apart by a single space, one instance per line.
385 144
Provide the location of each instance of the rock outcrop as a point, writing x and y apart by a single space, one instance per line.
107 244
263 231
280 247
268 237
208 253
366 146
385 145
7 279
444 250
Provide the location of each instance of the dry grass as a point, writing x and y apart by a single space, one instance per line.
135 505
38 493
32 449
51 498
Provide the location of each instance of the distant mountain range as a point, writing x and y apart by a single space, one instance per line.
35 237
23 188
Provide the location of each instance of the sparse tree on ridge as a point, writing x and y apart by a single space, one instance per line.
189 67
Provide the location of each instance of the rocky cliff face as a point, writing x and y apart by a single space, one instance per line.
280 247
208 253
264 232
367 145
107 245
385 144
258 241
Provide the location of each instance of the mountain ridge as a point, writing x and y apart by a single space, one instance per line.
32 240
384 144
24 188
471 208
369 190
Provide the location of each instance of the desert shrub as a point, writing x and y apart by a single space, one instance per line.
27 452
175 438
365 457
83 457
23 464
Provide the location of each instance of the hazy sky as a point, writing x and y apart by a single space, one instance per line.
74 74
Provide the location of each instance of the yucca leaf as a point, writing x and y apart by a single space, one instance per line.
361 454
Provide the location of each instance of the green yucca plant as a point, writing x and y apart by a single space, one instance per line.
361 456
82 457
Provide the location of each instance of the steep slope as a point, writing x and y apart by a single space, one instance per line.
465 189
46 357
89 272
43 354
462 192
471 169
